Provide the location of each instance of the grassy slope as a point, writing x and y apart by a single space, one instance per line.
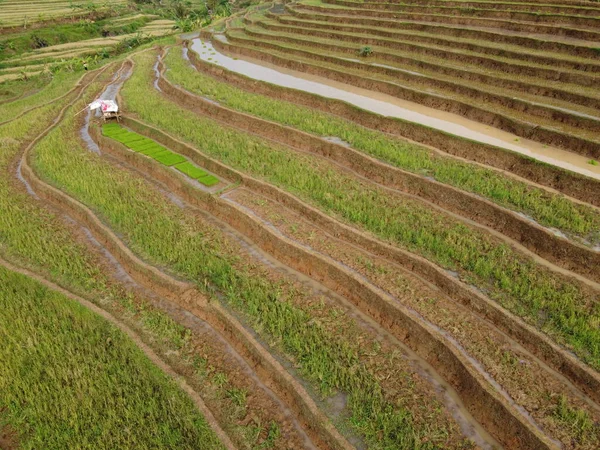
34 237
69 379
161 232
557 307
548 209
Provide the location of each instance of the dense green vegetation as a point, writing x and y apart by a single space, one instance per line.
517 283
32 236
546 208
163 234
150 148
69 379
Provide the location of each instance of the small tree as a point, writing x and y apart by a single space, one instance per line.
365 51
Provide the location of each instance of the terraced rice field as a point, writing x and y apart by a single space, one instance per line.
19 13
327 225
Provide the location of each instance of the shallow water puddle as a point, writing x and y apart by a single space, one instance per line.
387 105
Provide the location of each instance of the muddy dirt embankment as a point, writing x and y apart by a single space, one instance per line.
486 405
585 8
302 36
580 71
454 26
562 252
539 16
184 294
569 183
582 376
545 135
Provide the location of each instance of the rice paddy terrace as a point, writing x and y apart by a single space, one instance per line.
327 225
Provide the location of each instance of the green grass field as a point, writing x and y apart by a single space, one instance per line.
69 379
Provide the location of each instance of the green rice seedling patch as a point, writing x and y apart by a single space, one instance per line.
570 315
153 150
547 208
148 147
60 361
208 180
164 234
169 158
190 170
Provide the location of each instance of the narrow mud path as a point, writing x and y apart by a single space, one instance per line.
532 339
150 354
306 263
182 315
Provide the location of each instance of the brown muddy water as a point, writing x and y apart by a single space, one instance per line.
389 106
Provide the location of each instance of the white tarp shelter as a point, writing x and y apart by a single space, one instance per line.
106 106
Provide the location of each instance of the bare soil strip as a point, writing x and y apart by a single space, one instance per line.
551 65
566 254
529 381
569 183
581 45
172 285
436 63
156 360
586 8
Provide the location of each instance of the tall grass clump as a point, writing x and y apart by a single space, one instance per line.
548 302
162 233
70 379
547 208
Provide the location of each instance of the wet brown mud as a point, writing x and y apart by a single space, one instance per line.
555 67
566 254
529 381
572 184
586 8
279 56
562 361
532 18
199 200
303 261
177 291
297 35
485 29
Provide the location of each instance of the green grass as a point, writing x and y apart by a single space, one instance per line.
70 379
160 232
190 170
547 208
15 44
148 147
32 236
557 307
169 158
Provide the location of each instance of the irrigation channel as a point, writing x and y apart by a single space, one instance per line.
389 106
